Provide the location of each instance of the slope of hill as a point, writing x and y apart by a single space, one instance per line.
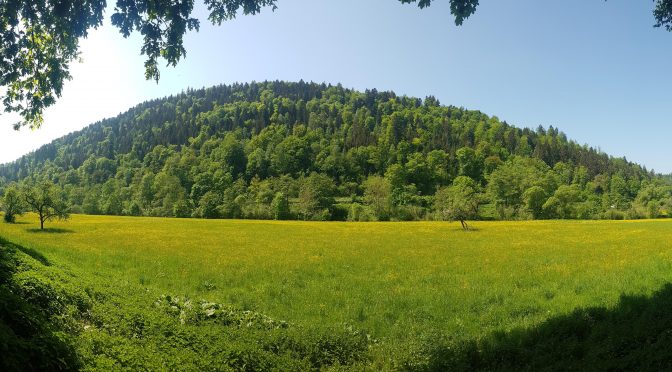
314 151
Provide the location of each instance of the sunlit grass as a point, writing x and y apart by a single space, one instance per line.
394 280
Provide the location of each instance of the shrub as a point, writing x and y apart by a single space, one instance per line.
339 212
40 313
12 203
9 218
280 206
76 209
613 214
355 212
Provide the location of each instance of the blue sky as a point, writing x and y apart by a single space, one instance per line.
597 70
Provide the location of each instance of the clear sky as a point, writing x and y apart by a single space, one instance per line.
597 70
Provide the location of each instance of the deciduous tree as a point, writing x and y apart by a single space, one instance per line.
458 202
534 198
12 203
378 196
280 206
46 200
316 197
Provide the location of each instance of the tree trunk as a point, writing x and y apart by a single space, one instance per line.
41 222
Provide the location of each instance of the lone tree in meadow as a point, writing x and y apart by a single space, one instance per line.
46 200
12 203
458 202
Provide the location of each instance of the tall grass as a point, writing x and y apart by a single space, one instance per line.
403 283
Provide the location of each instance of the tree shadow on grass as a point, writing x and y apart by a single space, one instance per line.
29 338
50 230
636 334
27 250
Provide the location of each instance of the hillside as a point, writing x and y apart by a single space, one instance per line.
281 150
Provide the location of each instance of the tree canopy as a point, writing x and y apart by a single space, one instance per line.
12 203
459 201
310 151
39 39
46 200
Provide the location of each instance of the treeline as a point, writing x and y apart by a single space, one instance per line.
278 150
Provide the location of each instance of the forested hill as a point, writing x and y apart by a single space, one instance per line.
316 151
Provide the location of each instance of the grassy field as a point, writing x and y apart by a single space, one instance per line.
428 294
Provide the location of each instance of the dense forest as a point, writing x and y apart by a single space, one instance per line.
281 150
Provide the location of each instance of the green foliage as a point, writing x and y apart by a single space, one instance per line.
563 202
226 151
41 310
378 196
46 199
359 212
663 14
315 197
470 164
231 153
534 198
461 9
41 39
208 205
12 203
508 183
280 206
653 201
181 209
117 293
458 202
47 322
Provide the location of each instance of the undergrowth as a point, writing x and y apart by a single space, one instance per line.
49 320
41 313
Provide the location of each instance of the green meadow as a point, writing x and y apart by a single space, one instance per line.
394 296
